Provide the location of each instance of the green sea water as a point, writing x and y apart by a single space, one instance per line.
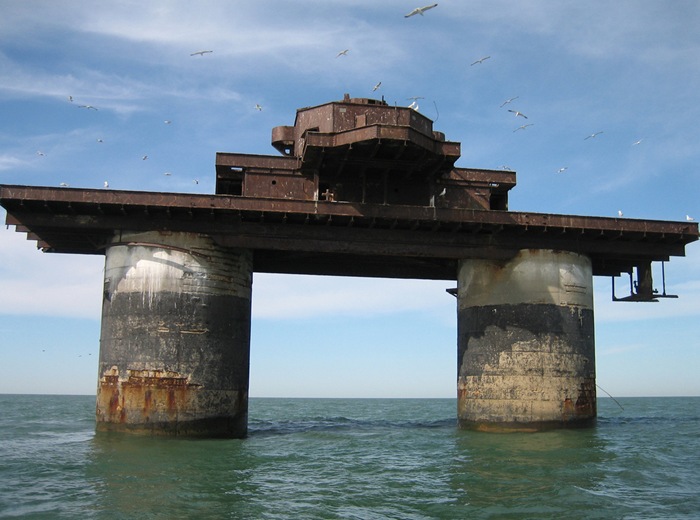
352 458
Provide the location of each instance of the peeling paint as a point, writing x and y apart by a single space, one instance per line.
525 365
175 338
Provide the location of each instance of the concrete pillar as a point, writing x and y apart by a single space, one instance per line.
526 346
175 339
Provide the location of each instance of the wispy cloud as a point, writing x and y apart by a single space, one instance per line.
9 162
34 283
291 297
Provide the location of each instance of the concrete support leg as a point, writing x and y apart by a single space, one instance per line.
175 340
526 347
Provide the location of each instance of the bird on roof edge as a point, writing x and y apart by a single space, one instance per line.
420 10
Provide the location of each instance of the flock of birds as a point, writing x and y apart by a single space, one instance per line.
257 106
100 140
413 105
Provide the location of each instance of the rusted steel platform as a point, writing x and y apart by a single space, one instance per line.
361 188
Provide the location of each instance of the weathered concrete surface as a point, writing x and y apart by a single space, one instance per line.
526 344
175 339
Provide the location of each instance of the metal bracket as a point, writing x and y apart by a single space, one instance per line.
641 290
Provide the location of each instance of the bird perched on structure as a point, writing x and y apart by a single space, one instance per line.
689 218
593 135
481 60
414 105
420 10
106 184
619 213
517 113
344 52
201 53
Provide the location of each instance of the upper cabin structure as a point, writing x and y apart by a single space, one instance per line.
363 151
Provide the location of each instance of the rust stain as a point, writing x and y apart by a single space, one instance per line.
144 396
568 408
586 402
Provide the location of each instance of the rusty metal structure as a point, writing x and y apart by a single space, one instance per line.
360 188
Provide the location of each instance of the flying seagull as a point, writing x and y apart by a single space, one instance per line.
414 98
167 121
144 157
637 142
508 101
258 107
40 153
523 127
70 98
201 53
481 60
517 113
344 52
593 135
376 86
89 107
420 10
562 170
99 140
167 173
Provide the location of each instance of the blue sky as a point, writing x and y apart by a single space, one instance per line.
628 69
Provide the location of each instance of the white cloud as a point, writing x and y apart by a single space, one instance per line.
9 162
36 283
290 297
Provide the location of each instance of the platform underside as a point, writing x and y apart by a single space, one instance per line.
323 237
